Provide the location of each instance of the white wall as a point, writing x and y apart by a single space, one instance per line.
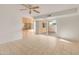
10 27
68 27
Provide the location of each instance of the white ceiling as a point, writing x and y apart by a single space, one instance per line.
48 8
53 8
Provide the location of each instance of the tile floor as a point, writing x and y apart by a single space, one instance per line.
33 44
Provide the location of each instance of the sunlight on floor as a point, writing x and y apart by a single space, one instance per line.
65 41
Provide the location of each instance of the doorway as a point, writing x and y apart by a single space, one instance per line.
28 26
52 27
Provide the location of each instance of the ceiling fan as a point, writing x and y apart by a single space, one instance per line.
31 8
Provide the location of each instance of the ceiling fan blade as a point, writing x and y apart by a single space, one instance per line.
30 8
35 7
26 5
36 11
